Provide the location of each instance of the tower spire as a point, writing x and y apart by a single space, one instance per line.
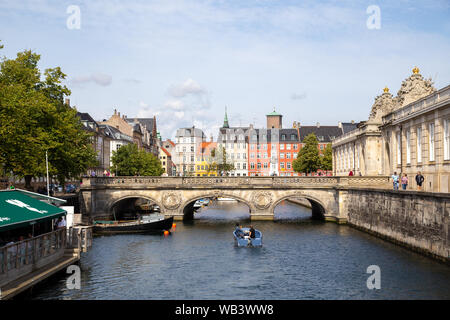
225 119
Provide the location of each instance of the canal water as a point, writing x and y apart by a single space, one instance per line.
300 259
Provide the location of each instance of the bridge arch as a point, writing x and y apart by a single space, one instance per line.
317 206
187 205
110 206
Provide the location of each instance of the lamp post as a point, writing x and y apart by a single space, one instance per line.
46 164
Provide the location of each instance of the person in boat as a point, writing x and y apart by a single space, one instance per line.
239 231
252 232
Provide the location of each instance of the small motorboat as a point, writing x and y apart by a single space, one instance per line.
152 223
244 239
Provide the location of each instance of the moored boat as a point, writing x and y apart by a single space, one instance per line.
146 224
243 240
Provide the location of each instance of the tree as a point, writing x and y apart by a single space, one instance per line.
212 164
130 161
327 159
308 158
223 167
34 120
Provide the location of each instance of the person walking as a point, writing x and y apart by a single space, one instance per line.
395 181
419 180
404 181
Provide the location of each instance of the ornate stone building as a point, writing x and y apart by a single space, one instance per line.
404 134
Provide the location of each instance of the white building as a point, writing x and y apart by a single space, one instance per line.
188 145
118 138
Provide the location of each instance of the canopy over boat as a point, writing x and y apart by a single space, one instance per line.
20 208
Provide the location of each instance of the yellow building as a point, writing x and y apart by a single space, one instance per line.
204 161
166 161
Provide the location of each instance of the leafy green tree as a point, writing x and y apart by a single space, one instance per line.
34 119
327 158
223 167
308 158
130 161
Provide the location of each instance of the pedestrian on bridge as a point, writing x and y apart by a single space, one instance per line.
395 181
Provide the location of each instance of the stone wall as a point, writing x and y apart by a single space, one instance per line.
418 220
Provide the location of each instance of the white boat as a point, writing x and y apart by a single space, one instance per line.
226 199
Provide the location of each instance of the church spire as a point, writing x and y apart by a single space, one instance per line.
225 119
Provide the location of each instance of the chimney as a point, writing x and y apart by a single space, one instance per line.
353 121
318 125
340 124
115 111
212 139
118 113
67 102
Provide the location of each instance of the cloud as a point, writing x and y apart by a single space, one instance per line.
298 96
132 81
189 86
98 78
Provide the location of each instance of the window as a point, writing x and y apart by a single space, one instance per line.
238 166
419 144
446 139
258 155
288 155
282 165
292 136
281 146
265 165
252 156
288 146
431 140
184 148
283 137
295 155
252 147
192 148
295 146
265 155
288 165
252 165
244 156
281 155
259 165
244 166
399 149
408 146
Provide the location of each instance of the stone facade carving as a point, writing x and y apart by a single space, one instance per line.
413 88
171 200
383 104
262 199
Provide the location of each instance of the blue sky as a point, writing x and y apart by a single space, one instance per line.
184 61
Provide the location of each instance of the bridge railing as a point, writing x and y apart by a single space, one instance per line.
366 181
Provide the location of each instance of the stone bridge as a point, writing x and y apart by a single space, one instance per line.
177 195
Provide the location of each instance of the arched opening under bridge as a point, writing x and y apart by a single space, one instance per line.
299 208
216 208
131 207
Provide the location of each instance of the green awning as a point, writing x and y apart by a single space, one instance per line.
18 209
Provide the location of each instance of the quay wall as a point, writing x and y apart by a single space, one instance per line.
417 220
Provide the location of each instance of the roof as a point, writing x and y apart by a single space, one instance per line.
165 151
19 209
147 122
115 133
274 113
348 126
327 132
190 132
170 141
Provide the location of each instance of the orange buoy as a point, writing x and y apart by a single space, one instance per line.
166 233
174 225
